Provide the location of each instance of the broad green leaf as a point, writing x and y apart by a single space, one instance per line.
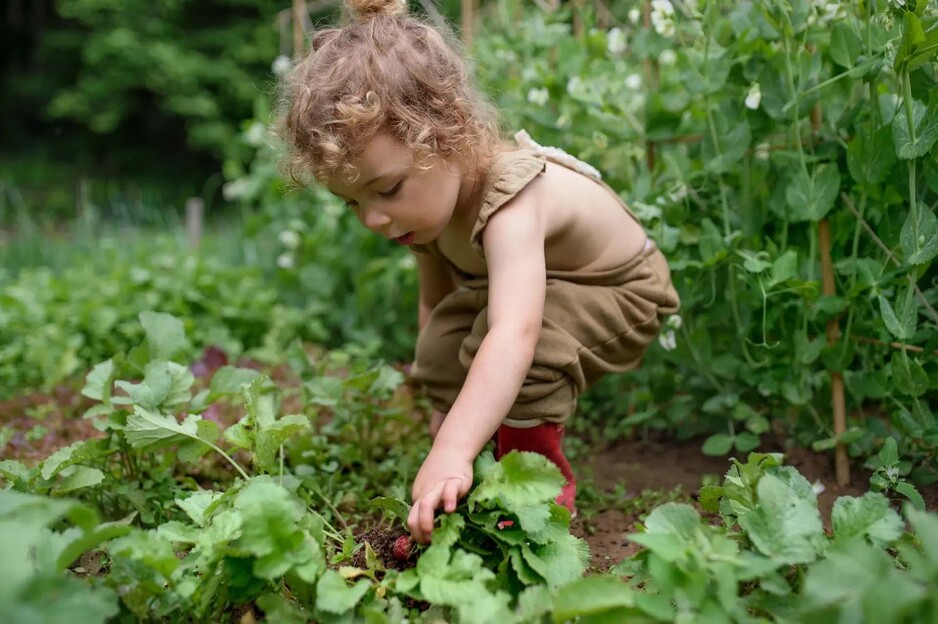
78 452
148 548
855 578
926 529
712 247
229 380
519 479
926 130
902 327
78 478
916 47
149 430
559 562
165 386
910 492
166 335
754 262
868 516
783 526
398 508
280 610
845 44
811 196
717 444
785 267
745 441
919 236
271 435
197 503
908 375
98 381
591 596
674 518
334 595
870 158
889 454
43 511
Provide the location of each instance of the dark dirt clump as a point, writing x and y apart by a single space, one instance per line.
382 542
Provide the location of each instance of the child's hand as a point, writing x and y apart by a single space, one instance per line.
444 478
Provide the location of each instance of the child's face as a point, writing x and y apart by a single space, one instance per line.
394 199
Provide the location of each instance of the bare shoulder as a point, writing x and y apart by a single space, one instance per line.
584 224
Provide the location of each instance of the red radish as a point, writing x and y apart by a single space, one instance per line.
403 546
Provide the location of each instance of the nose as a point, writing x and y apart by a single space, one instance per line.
375 220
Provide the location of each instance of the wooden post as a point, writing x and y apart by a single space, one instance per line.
651 80
195 208
829 288
468 21
299 35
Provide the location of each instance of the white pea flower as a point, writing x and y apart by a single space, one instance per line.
256 134
754 97
663 24
408 262
667 57
538 96
692 6
662 6
762 151
234 190
662 17
281 65
563 121
633 82
634 16
574 85
285 261
899 4
289 239
674 321
818 487
615 41
667 340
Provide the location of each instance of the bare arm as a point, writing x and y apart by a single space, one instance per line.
514 249
435 284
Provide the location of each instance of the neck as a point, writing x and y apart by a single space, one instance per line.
470 189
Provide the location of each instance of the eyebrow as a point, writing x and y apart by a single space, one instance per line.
389 174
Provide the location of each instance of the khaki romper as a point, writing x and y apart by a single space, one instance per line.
594 322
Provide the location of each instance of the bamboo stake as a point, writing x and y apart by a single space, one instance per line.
651 79
299 7
829 287
838 402
469 10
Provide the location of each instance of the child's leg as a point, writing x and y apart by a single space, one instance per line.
546 439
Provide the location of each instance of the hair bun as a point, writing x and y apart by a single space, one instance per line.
373 8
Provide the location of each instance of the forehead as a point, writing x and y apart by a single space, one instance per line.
382 155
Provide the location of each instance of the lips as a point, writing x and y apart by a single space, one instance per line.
406 239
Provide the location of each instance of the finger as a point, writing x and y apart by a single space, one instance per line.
413 523
428 505
450 495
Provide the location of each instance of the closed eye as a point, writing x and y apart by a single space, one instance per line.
391 192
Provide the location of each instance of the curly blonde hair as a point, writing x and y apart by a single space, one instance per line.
384 72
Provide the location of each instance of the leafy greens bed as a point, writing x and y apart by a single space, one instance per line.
203 517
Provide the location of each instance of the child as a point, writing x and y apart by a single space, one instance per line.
535 278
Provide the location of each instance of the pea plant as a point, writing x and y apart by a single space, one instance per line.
782 154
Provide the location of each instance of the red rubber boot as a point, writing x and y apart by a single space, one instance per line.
545 439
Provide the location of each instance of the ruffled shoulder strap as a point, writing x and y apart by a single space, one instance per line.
510 172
